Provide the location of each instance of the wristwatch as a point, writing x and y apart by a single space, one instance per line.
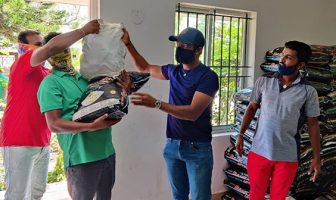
157 104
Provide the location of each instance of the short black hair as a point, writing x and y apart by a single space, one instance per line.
22 37
303 50
50 36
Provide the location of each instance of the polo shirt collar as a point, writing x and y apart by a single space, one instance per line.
297 80
62 73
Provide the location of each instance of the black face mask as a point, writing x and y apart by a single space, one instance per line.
286 70
184 56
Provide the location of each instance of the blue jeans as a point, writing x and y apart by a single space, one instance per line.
189 167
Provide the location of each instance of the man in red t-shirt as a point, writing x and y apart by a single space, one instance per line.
24 132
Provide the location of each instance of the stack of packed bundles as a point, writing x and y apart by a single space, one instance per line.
318 70
237 180
272 59
321 73
332 65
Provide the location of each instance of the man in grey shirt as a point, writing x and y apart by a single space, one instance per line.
285 100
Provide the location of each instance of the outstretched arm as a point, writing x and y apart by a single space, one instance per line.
140 62
62 41
190 112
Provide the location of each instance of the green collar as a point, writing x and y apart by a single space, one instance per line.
62 73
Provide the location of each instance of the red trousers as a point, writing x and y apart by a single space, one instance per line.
262 171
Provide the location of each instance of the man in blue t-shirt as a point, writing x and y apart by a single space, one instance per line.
188 151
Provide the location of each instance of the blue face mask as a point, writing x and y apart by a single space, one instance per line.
184 56
286 70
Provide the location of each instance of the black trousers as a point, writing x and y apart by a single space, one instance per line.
92 180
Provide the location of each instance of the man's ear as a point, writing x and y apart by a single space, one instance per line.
301 65
199 51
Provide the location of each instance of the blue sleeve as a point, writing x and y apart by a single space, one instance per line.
209 84
165 69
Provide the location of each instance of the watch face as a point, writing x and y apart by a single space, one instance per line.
157 104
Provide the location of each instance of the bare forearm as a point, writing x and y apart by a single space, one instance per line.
64 126
314 134
181 112
63 41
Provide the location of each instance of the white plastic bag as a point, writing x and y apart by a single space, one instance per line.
103 53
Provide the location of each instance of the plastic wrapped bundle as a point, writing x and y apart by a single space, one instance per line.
103 53
238 177
234 159
274 55
322 48
306 155
326 128
247 145
319 58
306 191
248 135
237 190
333 59
269 67
230 196
243 95
106 97
326 197
252 125
328 150
305 140
332 94
319 67
331 113
333 70
240 108
325 102
321 88
319 75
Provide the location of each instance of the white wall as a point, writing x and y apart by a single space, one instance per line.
139 138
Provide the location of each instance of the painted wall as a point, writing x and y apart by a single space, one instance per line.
140 137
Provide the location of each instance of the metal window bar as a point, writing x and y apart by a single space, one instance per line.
231 70
221 71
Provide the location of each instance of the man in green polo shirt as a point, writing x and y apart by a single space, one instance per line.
88 152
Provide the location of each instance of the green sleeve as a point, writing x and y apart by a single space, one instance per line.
50 95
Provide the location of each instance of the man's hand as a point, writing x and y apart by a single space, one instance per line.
142 99
240 144
315 169
126 38
91 27
125 82
102 122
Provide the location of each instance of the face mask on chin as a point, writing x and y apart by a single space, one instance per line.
184 56
283 70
